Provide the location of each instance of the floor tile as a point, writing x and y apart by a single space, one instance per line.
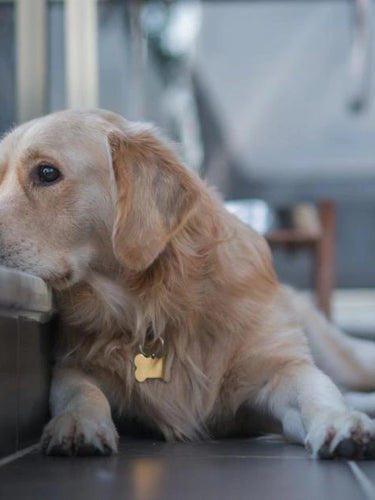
153 470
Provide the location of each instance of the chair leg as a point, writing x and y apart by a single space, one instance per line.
325 257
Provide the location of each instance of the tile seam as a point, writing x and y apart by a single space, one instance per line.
366 485
18 454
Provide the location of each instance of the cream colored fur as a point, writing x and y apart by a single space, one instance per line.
138 248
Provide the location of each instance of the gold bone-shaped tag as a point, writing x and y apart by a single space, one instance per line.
148 367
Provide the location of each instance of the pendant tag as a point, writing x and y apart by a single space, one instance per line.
147 367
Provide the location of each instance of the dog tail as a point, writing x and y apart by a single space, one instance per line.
349 361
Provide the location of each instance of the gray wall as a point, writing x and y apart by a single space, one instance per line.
274 79
7 67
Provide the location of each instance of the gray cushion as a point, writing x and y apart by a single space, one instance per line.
23 291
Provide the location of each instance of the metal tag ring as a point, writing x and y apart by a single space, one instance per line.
159 352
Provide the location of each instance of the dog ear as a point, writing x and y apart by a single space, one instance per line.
155 195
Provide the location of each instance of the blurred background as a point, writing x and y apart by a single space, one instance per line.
270 100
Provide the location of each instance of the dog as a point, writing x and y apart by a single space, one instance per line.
170 309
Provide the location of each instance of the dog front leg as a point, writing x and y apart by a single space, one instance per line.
81 423
313 412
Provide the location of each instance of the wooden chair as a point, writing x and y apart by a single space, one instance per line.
322 247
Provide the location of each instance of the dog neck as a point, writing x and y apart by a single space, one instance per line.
117 301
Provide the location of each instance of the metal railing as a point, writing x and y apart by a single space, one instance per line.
81 79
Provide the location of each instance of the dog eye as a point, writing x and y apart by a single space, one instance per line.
48 174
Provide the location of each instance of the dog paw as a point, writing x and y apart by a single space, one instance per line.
350 435
73 433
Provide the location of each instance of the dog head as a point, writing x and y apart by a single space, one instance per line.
85 189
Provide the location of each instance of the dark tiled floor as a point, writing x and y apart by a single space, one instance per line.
264 469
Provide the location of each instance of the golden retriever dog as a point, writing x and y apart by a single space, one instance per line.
170 309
